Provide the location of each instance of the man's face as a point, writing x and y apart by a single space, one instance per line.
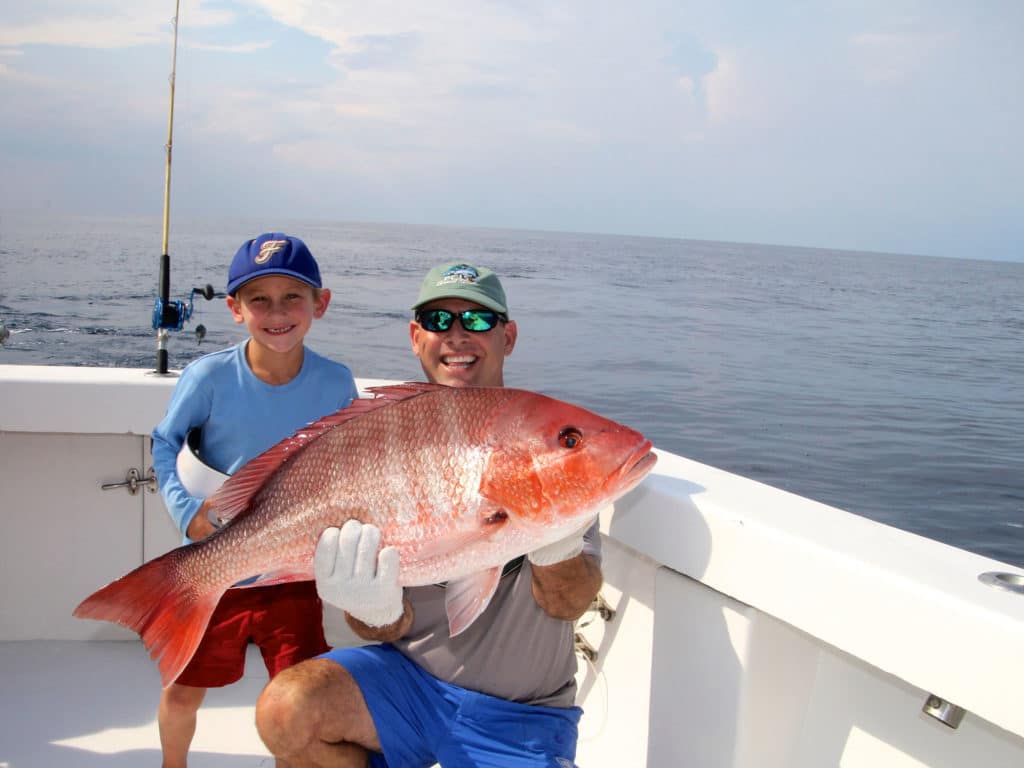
461 358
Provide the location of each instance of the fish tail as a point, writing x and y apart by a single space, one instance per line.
169 613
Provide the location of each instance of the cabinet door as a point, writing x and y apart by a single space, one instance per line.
61 536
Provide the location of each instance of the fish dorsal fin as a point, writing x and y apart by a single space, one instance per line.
466 598
394 392
238 491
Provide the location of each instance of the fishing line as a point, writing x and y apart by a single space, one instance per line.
599 677
588 618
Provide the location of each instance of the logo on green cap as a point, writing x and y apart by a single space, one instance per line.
459 273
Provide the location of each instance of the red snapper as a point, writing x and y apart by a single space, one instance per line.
460 480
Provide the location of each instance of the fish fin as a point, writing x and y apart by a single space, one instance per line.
430 550
237 493
490 524
169 613
276 577
392 393
466 598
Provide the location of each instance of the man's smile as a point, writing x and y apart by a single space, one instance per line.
458 361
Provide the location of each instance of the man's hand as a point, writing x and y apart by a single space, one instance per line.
561 550
354 574
563 582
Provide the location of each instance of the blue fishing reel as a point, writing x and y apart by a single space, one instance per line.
171 315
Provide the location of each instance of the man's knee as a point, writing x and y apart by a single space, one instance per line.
311 705
280 712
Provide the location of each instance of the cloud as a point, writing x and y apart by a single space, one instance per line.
135 28
250 47
726 97
103 24
699 115
895 57
449 35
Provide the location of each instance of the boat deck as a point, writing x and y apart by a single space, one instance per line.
70 704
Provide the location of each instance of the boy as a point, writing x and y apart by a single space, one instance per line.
242 401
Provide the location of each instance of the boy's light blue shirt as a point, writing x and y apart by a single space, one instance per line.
240 415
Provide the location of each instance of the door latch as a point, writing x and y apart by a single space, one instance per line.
133 481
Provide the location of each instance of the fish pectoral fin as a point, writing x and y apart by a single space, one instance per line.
466 598
456 542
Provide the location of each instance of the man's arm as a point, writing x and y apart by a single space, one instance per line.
385 634
566 589
567 577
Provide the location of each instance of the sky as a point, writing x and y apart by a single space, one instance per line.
882 125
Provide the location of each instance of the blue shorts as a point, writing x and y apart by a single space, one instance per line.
421 720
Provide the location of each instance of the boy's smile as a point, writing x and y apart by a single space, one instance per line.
278 312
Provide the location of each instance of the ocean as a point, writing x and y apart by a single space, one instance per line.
891 386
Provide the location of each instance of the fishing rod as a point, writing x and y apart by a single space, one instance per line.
172 315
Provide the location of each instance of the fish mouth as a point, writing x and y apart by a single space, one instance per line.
636 467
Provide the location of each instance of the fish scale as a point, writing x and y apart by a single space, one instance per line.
459 480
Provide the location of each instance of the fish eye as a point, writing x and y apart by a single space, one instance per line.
570 437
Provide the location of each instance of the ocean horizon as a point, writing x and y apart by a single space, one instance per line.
886 385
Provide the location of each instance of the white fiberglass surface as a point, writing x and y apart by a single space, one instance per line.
91 705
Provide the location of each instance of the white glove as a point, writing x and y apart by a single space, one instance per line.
561 550
352 575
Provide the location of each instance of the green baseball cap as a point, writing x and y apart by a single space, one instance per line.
457 280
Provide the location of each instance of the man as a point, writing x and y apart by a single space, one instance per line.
499 694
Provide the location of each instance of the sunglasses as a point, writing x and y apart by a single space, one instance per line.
473 320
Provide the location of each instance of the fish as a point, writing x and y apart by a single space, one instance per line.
461 480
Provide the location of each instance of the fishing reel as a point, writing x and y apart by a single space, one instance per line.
172 315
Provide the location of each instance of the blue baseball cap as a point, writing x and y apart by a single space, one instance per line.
273 253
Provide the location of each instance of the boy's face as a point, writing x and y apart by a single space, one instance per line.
278 310
461 358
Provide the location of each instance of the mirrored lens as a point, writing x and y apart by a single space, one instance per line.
440 320
478 320
435 320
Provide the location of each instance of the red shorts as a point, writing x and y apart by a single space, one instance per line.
284 620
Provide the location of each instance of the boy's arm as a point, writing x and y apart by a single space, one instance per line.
185 410
181 506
